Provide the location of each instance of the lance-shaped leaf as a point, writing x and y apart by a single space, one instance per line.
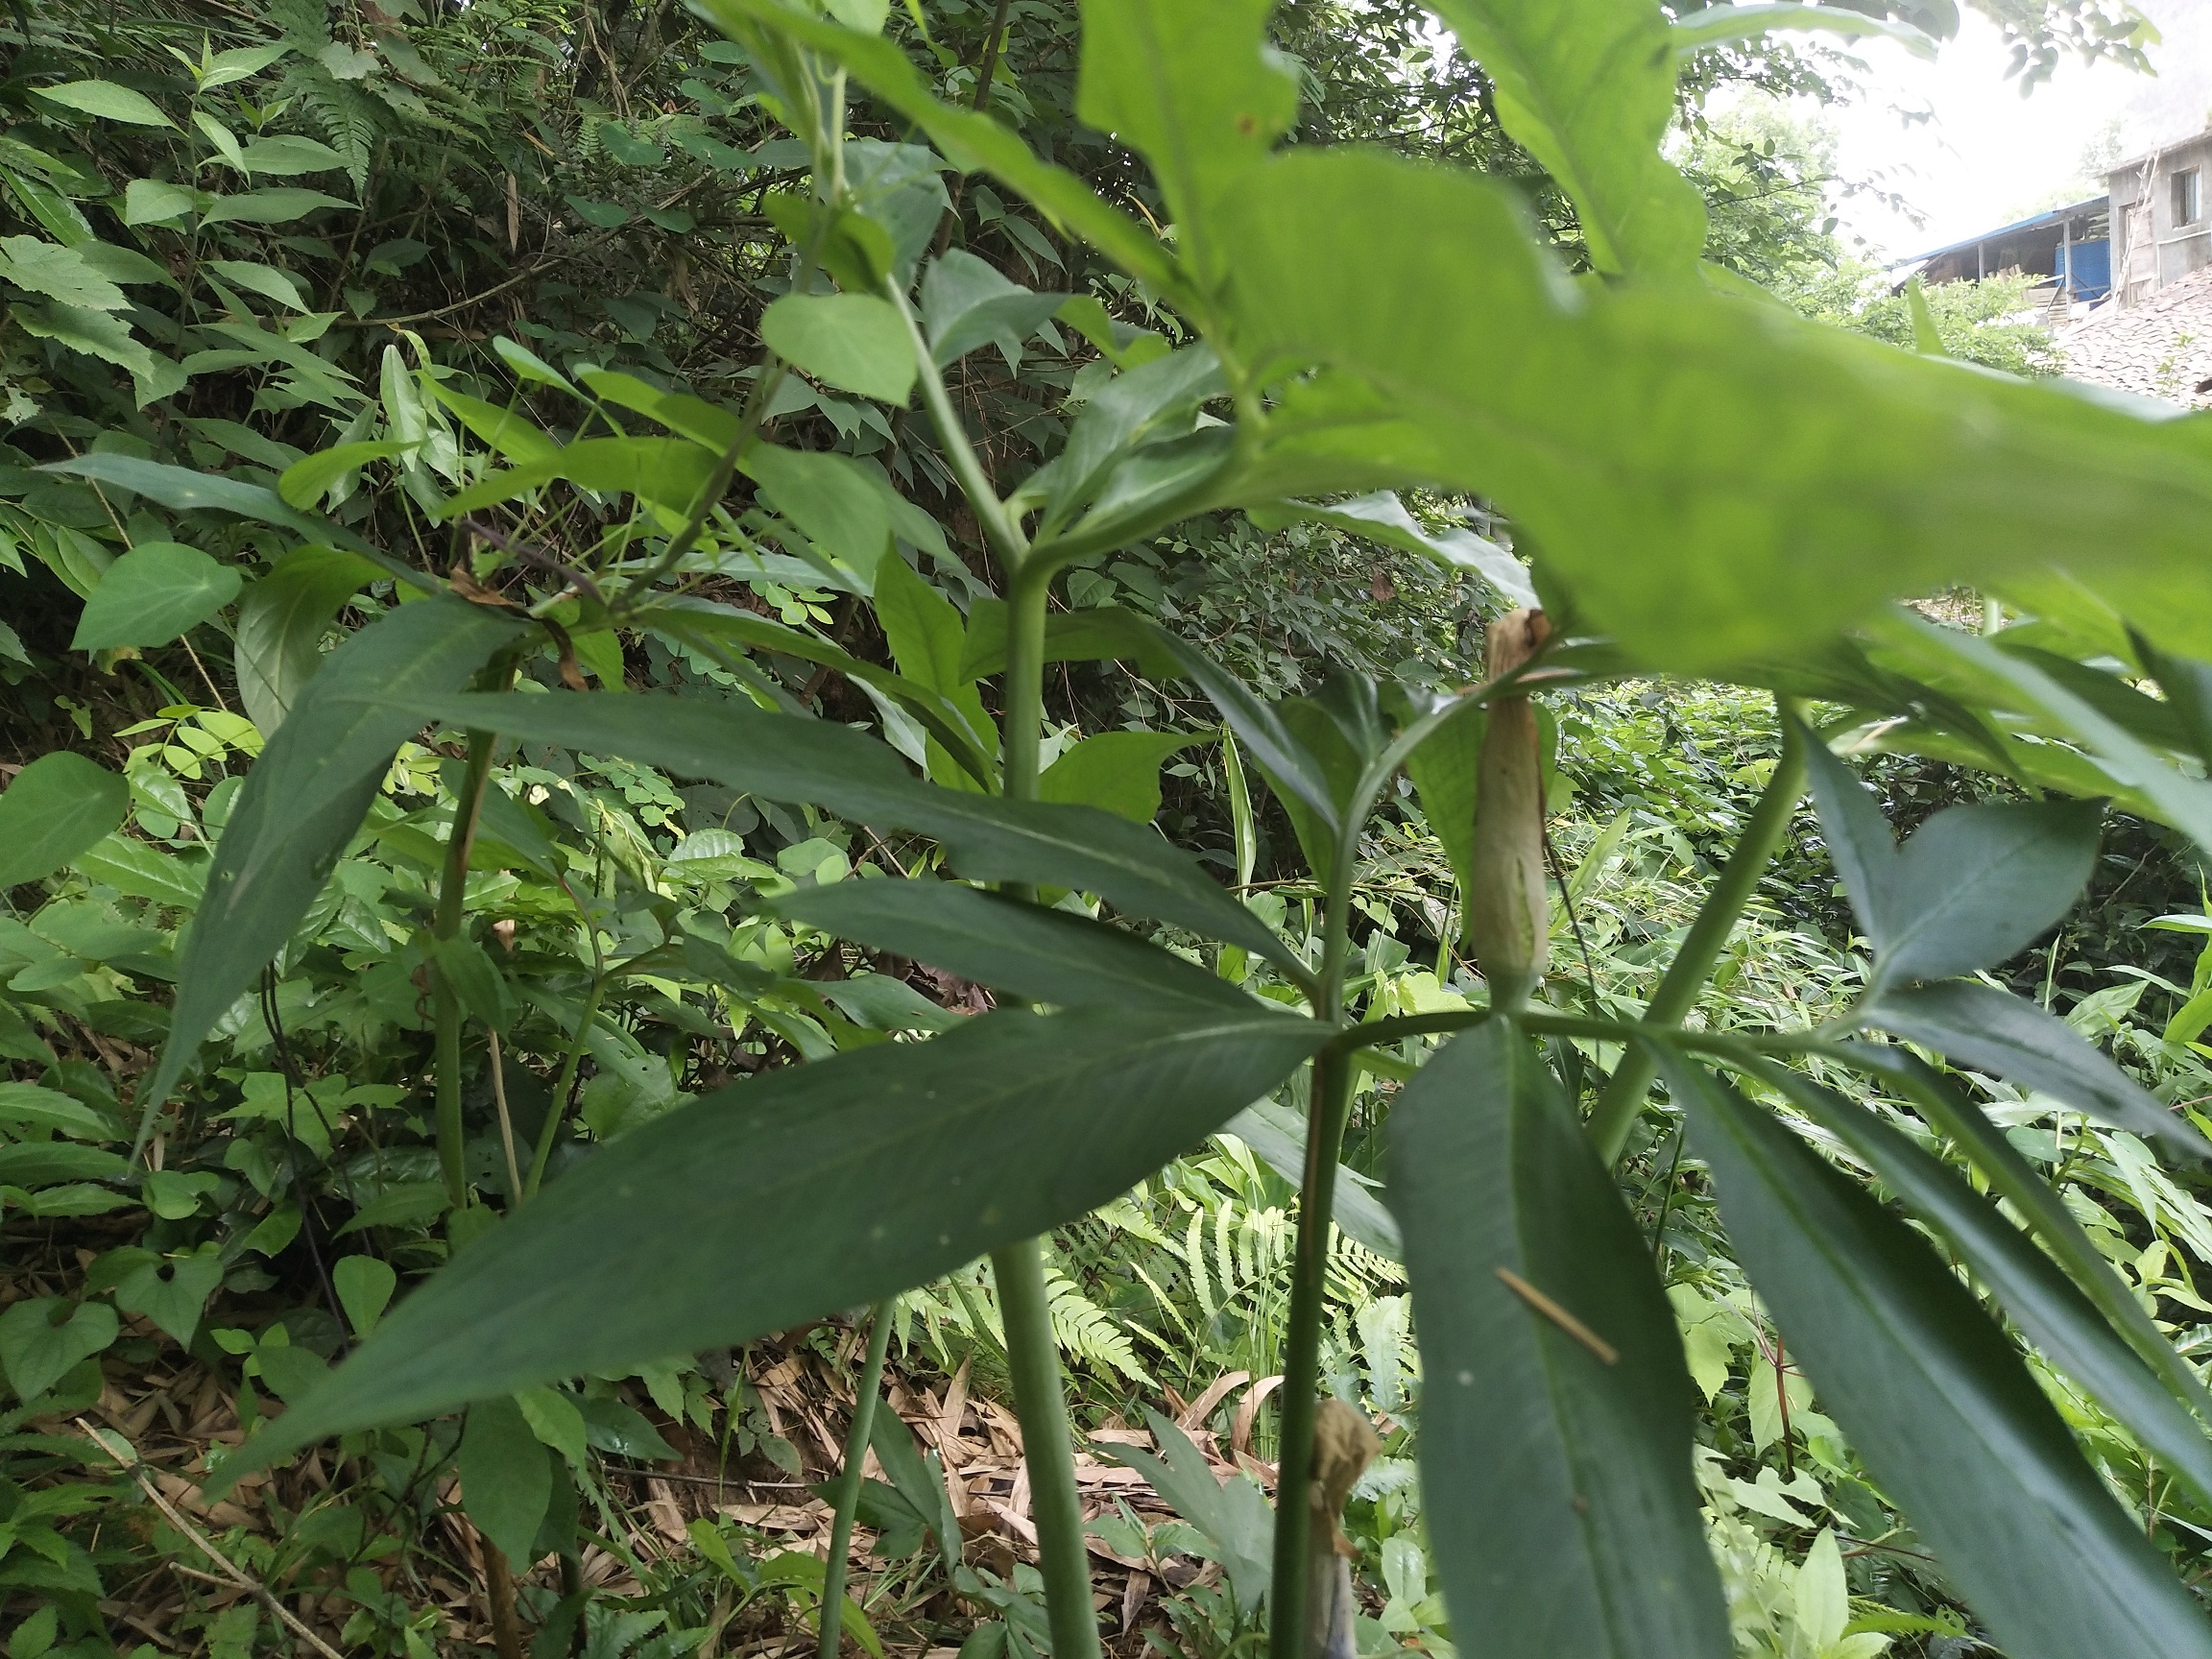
792 757
1936 1401
1997 1032
806 1190
1555 1419
1587 87
1969 888
2053 1314
280 626
1382 517
1262 726
1036 954
304 799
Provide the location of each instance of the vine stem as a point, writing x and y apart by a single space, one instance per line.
1622 1098
848 1485
1326 1116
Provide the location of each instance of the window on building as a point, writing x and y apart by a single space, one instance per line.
2188 197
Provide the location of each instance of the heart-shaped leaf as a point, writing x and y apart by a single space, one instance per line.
41 1338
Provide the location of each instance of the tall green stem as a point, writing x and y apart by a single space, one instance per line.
1326 1116
849 1484
460 842
1617 1108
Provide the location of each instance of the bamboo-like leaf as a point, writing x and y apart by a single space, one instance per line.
806 1190
1555 1419
1935 1400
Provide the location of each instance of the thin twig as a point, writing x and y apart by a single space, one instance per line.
1606 1353
259 1591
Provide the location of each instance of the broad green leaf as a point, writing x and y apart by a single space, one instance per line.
554 1418
364 1284
1969 888
1232 1515
509 431
1116 771
1587 87
157 201
667 472
967 303
793 757
151 594
33 1106
142 871
96 333
2053 1314
108 101
693 418
855 342
1443 769
173 1292
282 620
1277 1133
283 205
1936 1401
1195 92
506 1481
1555 1417
830 497
60 806
42 1336
58 272
802 1191
1994 1031
1777 478
43 1162
926 638
1035 953
304 799
969 140
305 481
239 63
1153 401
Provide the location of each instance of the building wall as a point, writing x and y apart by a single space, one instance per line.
2152 244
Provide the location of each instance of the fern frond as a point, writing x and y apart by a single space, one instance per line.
1087 1332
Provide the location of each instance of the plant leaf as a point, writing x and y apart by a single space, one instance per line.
37 1351
2053 1314
1036 954
967 303
151 594
855 341
1117 772
805 1190
282 620
108 101
60 806
304 799
1557 1477
793 757
506 1478
304 482
1936 1401
1997 1032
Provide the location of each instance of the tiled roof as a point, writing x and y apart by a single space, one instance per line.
2160 348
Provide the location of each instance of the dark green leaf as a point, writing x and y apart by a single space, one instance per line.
42 1336
1996 1032
172 1293
1134 408
1117 772
831 500
2053 1314
918 1478
1232 1515
666 471
967 303
802 1191
1936 1401
792 757
1278 1134
1969 888
1031 953
61 807
29 1105
506 1478
855 342
153 593
280 626
1555 1459
1262 728
304 482
304 799
1095 634
43 1162
1443 769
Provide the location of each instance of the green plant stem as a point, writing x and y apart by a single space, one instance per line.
460 842
1024 681
562 1082
1331 1103
1047 1445
999 529
1679 989
849 1484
